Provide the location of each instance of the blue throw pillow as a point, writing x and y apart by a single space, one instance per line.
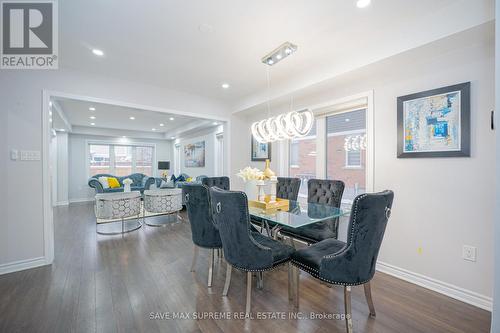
172 178
181 179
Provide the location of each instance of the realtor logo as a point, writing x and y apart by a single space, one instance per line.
29 35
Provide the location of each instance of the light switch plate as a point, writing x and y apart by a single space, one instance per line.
14 154
30 155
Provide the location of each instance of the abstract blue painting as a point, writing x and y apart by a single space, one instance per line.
432 123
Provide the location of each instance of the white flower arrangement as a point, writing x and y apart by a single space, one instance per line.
127 181
250 174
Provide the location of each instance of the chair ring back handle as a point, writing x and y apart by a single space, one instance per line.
187 197
387 212
218 207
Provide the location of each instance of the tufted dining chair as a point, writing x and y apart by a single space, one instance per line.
220 182
204 233
288 188
352 263
327 192
244 249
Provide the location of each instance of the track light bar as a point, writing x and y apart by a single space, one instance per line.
280 53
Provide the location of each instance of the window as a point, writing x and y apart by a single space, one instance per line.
123 160
144 160
99 159
303 160
346 151
120 160
353 159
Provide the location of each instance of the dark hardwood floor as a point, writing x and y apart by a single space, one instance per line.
114 284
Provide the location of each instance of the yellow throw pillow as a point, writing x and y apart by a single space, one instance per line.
189 180
113 182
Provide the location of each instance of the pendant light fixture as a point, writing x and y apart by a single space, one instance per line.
294 124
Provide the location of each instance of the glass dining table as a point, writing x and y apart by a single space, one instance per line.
297 215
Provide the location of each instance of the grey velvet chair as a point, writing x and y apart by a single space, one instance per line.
328 192
244 249
203 231
351 263
288 188
220 182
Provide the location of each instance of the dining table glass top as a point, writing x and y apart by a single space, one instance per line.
299 214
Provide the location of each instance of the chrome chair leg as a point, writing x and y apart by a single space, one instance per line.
292 242
195 256
210 266
348 311
295 279
229 269
369 299
249 292
290 283
260 280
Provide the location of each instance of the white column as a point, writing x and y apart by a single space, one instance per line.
62 168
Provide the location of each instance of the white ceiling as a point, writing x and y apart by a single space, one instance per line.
114 117
160 41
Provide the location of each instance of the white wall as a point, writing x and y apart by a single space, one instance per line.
22 236
78 173
442 203
209 137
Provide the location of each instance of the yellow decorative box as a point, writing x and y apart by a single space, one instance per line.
279 204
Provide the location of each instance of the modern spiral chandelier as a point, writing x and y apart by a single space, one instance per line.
294 124
289 125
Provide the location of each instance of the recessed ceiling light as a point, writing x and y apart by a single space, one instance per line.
98 52
347 120
162 124
92 124
91 108
124 137
171 118
131 118
50 120
225 85
215 123
153 129
363 3
173 137
62 130
92 117
50 113
50 103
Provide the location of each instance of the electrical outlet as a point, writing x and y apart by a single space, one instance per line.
469 253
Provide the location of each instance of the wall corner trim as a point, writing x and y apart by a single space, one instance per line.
458 293
22 265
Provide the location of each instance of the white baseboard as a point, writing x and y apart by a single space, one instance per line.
22 265
80 200
461 294
62 203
